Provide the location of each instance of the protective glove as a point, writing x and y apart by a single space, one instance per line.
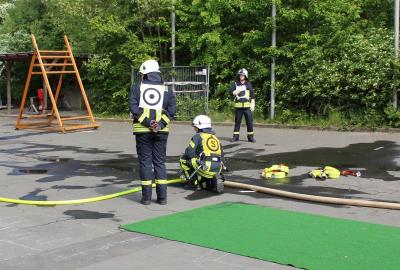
224 168
236 92
201 161
154 126
252 105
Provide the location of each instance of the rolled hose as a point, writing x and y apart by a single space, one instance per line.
314 198
80 201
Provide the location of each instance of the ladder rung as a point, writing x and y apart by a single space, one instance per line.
34 124
74 127
37 116
75 117
50 51
56 72
38 128
55 56
54 64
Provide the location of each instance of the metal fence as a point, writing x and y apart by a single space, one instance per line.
191 87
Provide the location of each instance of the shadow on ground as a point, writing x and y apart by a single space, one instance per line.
376 159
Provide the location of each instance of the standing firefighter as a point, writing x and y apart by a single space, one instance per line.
152 105
202 163
244 105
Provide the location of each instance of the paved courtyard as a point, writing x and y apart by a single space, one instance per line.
53 166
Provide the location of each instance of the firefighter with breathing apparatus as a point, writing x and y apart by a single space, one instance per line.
202 163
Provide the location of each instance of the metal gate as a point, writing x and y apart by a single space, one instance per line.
191 87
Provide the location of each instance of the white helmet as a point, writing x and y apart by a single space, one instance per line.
149 66
244 72
202 121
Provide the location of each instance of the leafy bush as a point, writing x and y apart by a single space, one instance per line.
333 58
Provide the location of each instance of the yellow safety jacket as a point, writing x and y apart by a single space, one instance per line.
243 100
206 147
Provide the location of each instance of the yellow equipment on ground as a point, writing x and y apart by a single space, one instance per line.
275 171
326 172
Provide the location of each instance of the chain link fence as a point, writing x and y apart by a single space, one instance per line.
190 85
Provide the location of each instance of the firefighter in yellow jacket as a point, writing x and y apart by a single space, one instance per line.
202 163
243 93
153 105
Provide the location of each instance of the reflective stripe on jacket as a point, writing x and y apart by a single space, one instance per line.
148 92
242 100
207 144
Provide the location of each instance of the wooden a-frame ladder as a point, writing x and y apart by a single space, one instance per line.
47 62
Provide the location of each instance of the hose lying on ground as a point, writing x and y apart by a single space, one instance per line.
80 201
287 194
314 198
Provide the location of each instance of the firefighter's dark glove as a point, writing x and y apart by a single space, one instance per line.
201 161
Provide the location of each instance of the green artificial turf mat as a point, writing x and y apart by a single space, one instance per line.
285 237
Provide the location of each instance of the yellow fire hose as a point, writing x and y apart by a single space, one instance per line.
276 192
80 201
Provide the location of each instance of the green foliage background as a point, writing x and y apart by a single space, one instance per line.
334 58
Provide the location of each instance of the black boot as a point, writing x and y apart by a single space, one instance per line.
218 184
162 201
161 190
250 138
146 194
145 202
235 138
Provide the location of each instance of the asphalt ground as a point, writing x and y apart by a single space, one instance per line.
53 166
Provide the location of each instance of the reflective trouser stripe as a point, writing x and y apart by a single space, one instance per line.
183 164
236 133
185 168
248 115
161 182
250 133
146 182
201 172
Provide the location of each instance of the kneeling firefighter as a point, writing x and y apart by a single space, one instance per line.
202 163
152 105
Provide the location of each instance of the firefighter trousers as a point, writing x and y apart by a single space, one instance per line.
151 149
248 116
